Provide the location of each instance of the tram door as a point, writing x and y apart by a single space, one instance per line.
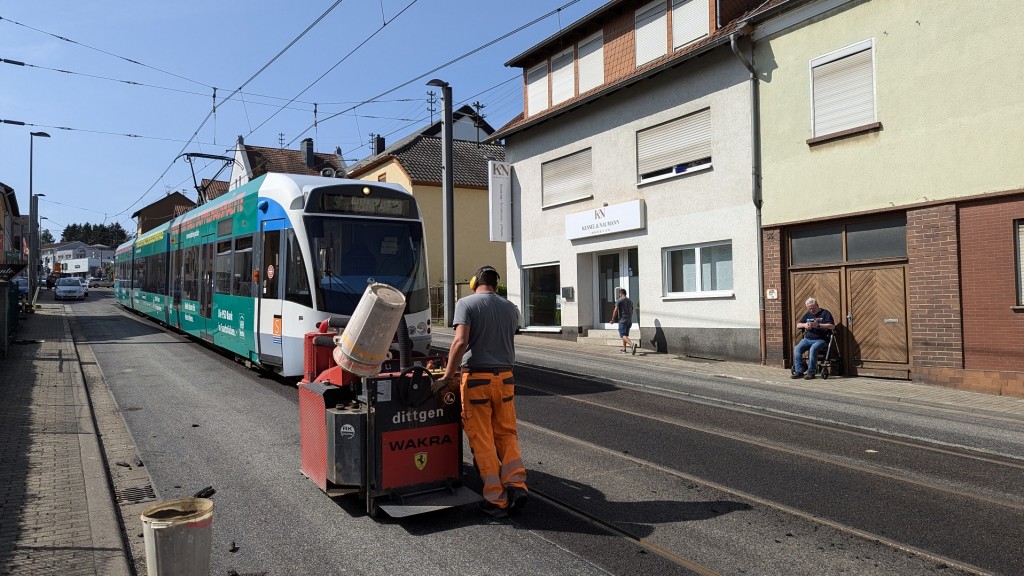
269 329
206 285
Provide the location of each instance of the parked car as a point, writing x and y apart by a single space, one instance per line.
101 282
68 289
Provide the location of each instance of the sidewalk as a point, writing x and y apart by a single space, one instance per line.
57 511
850 387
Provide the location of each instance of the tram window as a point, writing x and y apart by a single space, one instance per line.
222 268
296 280
271 270
156 273
224 227
176 277
190 273
242 284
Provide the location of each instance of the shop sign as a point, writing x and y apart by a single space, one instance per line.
605 220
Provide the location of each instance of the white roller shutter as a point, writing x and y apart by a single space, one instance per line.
844 93
673 143
537 89
651 32
566 179
591 62
563 79
690 21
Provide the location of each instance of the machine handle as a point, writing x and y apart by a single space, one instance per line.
414 386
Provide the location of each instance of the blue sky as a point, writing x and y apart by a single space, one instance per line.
117 126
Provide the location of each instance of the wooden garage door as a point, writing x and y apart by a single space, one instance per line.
823 286
877 320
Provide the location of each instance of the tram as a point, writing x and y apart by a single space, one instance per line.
255 270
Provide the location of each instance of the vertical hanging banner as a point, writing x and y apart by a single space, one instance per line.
499 200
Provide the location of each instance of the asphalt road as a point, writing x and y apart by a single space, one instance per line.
637 469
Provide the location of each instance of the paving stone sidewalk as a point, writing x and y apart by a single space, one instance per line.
57 512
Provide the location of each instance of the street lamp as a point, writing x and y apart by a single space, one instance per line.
33 230
448 199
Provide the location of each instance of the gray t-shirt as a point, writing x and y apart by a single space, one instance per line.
492 322
625 308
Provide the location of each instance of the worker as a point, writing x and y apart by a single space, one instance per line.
484 352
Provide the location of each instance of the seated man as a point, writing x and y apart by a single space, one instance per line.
816 323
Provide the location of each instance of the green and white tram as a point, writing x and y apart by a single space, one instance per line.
256 269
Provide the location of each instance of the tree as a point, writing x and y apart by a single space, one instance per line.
110 235
45 237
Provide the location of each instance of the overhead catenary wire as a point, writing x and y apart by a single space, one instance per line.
230 96
442 66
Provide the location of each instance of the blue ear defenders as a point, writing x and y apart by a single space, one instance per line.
475 280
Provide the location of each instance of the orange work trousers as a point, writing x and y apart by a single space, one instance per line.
489 419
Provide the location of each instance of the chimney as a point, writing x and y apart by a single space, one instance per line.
307 152
378 145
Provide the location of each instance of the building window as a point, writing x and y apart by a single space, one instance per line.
651 32
704 270
674 147
1020 262
543 300
567 179
690 21
857 241
563 77
382 177
537 89
591 62
843 89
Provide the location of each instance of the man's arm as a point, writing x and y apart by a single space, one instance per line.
615 313
458 348
827 322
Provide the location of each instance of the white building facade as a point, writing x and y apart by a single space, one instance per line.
642 181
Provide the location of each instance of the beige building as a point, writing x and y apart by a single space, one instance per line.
893 185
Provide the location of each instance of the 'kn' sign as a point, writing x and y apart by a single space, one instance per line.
605 220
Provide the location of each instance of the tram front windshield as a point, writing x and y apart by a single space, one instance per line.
349 253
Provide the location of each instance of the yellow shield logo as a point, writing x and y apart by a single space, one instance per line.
421 460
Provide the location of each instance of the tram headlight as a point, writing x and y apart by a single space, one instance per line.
421 328
412 330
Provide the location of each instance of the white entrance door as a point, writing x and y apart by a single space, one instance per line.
616 270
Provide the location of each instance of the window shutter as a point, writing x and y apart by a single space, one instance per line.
591 63
677 142
690 20
563 79
567 178
651 32
844 93
537 89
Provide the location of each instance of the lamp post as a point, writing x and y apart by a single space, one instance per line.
448 199
33 227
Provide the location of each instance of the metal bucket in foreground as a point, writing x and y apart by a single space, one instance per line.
178 536
365 343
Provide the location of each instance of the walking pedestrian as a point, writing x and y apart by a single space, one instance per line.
484 352
623 312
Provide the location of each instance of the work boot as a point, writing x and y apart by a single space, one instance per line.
796 375
517 498
493 510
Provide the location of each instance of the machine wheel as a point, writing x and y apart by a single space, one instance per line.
824 373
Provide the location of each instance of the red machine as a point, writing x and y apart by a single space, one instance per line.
386 437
